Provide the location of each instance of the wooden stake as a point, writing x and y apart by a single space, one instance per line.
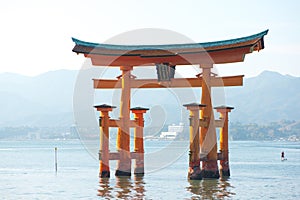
55 151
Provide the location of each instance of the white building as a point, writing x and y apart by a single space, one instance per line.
173 131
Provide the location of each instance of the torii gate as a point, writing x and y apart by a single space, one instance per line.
166 57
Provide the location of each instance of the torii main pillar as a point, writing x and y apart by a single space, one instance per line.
210 164
123 138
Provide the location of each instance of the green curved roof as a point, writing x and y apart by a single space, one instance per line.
170 46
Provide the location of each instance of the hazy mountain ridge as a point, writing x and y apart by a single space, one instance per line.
26 98
46 100
268 97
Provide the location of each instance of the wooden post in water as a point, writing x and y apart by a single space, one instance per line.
210 165
194 172
138 139
104 139
123 138
224 161
55 152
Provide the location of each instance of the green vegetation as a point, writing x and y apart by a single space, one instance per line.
282 130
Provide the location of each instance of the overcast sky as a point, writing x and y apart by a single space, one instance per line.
36 35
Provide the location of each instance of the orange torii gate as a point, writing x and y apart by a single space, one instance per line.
166 57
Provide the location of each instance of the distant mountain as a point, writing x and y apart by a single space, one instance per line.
47 99
268 97
31 100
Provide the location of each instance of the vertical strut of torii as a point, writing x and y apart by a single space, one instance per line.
166 58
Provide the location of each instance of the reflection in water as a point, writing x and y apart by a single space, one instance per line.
125 188
139 187
134 188
210 189
105 189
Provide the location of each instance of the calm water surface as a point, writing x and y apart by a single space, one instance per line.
27 172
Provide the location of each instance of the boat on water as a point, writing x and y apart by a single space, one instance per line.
282 156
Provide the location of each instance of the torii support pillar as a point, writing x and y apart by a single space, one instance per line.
210 165
224 161
194 172
104 139
138 139
123 138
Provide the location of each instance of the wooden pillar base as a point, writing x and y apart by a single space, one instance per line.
123 173
224 168
225 173
139 164
124 167
210 169
139 171
123 164
194 170
195 173
104 174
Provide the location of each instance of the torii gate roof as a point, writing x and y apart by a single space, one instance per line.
225 51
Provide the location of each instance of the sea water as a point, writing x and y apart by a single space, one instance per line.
27 171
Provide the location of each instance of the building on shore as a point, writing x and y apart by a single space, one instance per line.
173 132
